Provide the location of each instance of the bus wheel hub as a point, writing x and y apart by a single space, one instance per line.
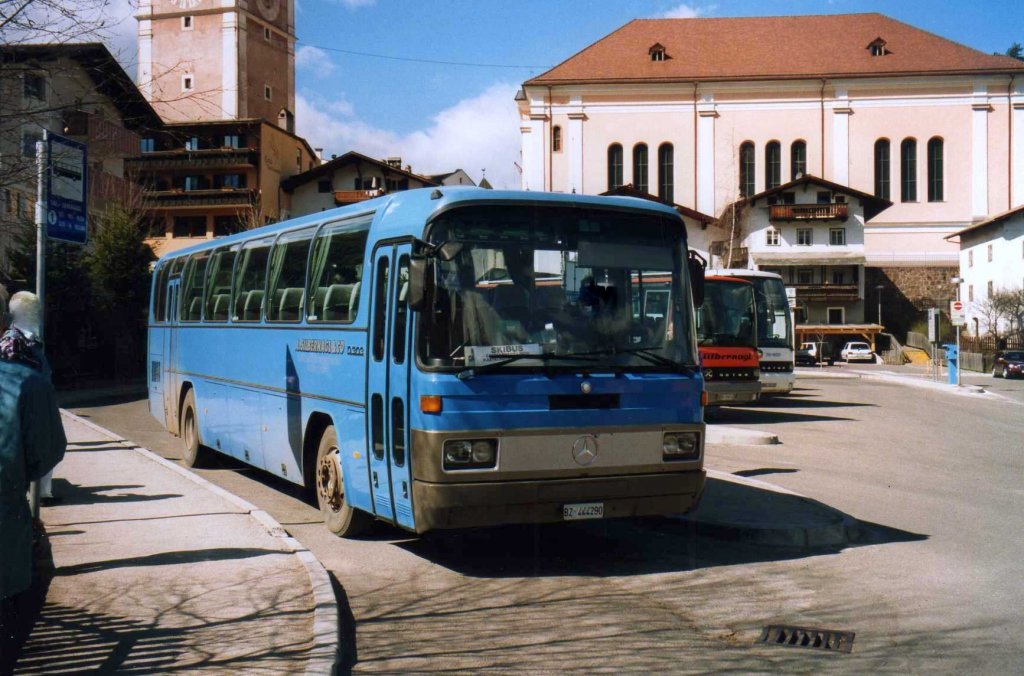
329 480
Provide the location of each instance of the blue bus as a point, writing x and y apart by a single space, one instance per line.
442 358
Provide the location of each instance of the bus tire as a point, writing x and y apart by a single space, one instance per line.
194 453
340 517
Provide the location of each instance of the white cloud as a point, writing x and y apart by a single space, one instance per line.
687 11
314 60
480 132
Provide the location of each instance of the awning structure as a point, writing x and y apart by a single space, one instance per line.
808 258
813 332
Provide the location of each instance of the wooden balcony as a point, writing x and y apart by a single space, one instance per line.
342 197
837 292
213 158
808 212
213 197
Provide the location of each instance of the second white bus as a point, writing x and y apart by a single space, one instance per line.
775 328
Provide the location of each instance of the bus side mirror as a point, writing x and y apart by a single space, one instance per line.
697 267
417 283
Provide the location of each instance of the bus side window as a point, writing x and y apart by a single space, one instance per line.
334 278
218 284
160 293
192 292
401 311
250 281
286 290
380 308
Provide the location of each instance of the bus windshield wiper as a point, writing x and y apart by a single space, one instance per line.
470 371
653 357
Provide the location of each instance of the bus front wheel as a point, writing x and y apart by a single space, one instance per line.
340 517
194 453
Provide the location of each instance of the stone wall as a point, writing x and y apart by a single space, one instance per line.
907 293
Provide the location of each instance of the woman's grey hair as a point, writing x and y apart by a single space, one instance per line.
24 309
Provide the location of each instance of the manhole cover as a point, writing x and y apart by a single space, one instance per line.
808 637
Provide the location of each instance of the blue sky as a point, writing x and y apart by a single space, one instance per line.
440 116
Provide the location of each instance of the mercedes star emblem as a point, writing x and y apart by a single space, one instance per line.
584 450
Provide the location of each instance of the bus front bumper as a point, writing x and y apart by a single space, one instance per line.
732 392
465 505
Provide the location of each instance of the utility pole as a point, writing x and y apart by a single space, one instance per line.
40 217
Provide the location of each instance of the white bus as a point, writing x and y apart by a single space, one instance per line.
775 328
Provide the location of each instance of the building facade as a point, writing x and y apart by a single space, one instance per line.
78 91
811 233
991 262
218 59
215 178
704 112
350 178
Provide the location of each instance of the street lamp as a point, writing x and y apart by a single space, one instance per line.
879 288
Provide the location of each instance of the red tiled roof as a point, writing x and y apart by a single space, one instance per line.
991 220
784 47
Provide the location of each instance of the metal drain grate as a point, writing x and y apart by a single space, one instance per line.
808 637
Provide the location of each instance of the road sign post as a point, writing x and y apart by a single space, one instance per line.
62 183
958 318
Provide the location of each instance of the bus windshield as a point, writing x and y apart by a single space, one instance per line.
552 286
775 326
727 318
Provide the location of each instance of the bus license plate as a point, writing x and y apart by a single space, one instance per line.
583 510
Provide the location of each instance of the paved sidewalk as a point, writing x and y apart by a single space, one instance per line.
156 572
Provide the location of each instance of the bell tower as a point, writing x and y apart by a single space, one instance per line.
218 59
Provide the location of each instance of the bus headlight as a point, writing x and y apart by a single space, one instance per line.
470 454
681 446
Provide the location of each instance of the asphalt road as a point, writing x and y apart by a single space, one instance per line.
935 479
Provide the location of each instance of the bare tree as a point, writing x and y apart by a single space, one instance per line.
1002 313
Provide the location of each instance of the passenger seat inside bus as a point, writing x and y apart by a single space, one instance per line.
290 308
336 302
253 305
221 303
240 306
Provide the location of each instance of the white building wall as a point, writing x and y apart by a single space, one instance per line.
1005 271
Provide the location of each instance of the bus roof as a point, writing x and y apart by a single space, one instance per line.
723 278
741 272
409 210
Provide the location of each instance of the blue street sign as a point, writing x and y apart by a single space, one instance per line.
66 190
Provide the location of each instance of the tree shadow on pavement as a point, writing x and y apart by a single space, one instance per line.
169 559
74 494
229 627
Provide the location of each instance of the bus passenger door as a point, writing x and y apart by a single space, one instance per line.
170 357
397 413
378 363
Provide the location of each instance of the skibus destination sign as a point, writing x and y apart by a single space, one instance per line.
66 190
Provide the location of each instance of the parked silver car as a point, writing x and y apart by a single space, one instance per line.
854 351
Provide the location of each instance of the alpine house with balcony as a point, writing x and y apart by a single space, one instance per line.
811 232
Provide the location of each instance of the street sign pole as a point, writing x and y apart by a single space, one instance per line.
33 488
62 182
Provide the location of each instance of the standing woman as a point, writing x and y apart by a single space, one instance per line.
32 442
21 343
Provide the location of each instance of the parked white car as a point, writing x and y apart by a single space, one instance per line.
857 352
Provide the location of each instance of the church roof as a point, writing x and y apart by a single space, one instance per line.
762 48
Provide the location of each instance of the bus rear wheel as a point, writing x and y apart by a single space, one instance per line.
194 453
340 517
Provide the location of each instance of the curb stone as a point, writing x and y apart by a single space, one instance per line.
841 531
325 655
